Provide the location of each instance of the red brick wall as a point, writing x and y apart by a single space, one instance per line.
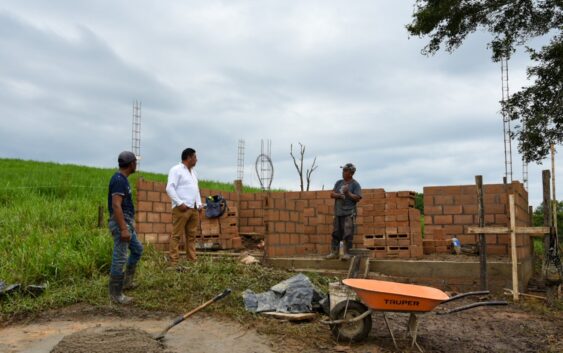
294 223
450 210
300 223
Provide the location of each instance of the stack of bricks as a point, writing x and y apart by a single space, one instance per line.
450 210
219 233
396 228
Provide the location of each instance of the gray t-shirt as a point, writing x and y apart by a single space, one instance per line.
347 206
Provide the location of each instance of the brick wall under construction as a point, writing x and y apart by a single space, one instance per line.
293 223
450 210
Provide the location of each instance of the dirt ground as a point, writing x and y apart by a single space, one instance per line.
485 329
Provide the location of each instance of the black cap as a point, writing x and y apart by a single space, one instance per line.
125 158
350 167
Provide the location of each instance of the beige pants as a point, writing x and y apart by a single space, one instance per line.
185 225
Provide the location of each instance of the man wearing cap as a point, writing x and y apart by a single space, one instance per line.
121 224
183 190
346 194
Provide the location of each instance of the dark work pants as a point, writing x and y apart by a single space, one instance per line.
343 230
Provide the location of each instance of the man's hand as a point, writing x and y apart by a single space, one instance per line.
183 207
125 235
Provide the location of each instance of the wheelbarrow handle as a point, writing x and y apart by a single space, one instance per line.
471 306
463 295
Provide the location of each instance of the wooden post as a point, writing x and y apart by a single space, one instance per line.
100 216
482 240
531 224
553 196
514 255
546 211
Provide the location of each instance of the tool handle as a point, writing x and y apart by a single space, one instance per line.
471 306
463 295
207 303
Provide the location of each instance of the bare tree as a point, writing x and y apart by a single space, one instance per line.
299 166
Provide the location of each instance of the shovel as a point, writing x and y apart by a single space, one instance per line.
188 314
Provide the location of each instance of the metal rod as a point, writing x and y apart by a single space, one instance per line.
471 306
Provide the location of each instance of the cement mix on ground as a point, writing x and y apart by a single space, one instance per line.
109 340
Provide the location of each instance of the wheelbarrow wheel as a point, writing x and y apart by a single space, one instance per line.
353 331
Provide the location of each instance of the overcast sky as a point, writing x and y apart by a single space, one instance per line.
341 77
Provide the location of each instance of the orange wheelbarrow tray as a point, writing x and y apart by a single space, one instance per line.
351 320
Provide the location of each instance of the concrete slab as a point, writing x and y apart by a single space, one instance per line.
461 274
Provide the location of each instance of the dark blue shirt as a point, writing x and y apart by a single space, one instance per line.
119 185
347 206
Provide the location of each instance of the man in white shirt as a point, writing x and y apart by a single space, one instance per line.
183 190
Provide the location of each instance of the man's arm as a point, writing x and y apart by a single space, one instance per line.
335 194
116 200
356 195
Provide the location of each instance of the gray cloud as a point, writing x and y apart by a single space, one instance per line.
343 78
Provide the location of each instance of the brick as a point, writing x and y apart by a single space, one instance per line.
144 228
309 212
159 207
141 196
153 196
255 221
159 227
163 238
442 219
144 185
246 213
497 250
144 206
443 200
236 242
254 204
463 219
453 209
151 238
153 217
279 227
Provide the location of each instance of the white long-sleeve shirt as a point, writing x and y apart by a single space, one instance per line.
183 187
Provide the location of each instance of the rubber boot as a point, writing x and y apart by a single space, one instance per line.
346 256
116 290
333 255
128 283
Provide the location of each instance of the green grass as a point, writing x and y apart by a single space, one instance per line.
49 234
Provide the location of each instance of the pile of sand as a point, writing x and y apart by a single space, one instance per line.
109 340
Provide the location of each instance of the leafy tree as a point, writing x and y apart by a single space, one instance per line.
538 219
539 107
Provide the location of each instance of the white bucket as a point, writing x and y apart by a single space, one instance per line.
339 292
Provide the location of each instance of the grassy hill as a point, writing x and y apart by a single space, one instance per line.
49 234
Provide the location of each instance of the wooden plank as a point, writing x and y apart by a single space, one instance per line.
488 230
292 316
505 230
532 230
514 255
482 239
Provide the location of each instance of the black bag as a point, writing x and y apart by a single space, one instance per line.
215 206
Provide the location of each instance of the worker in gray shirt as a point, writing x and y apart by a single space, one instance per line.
346 194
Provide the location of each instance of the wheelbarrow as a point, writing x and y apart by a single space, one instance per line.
351 319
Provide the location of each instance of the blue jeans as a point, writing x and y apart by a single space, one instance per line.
120 247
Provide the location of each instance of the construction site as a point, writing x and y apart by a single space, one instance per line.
428 255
